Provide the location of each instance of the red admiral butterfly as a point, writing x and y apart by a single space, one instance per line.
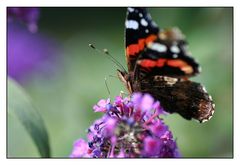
159 63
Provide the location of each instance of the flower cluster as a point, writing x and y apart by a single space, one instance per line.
129 128
28 15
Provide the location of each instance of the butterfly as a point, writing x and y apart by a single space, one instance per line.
160 64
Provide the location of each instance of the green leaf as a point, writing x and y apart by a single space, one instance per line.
20 105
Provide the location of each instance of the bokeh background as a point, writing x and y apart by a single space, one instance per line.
67 77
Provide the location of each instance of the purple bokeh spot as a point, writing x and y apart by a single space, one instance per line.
29 53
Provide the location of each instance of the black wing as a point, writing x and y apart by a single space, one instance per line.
139 30
187 98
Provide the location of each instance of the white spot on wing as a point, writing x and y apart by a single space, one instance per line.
143 22
204 89
204 120
175 56
175 49
140 15
170 80
213 111
131 24
158 47
130 9
146 31
210 98
213 107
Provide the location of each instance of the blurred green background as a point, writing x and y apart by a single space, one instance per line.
65 99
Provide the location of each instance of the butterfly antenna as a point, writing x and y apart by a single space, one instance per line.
106 52
114 59
105 80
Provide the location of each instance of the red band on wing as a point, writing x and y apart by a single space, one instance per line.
133 49
150 38
147 63
182 65
161 62
176 63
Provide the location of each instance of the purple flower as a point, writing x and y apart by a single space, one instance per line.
80 149
146 102
151 147
110 125
101 105
158 128
130 128
27 15
29 53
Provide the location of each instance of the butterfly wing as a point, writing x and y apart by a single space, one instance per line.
159 63
167 56
154 51
187 98
139 30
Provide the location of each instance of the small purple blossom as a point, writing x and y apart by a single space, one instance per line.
158 128
80 149
129 128
146 102
27 15
101 105
151 147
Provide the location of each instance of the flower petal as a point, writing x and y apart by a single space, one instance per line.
80 149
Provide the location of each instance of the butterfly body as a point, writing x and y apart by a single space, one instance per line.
159 63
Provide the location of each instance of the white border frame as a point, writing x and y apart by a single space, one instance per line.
88 3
